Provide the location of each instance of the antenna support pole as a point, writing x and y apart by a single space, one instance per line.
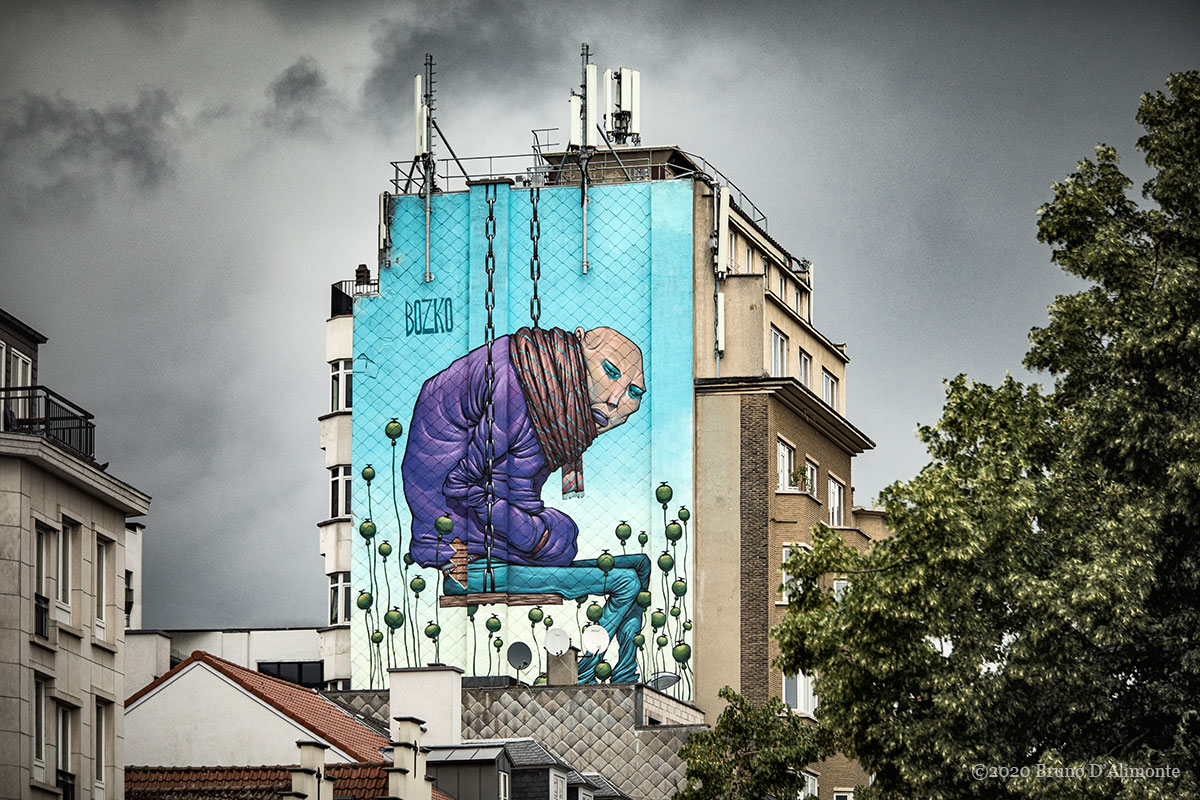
584 152
429 164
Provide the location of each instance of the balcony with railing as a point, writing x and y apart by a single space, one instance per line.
41 412
342 294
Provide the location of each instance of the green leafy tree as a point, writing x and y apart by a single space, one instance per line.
754 751
1039 602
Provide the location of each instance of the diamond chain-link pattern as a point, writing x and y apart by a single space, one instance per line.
535 262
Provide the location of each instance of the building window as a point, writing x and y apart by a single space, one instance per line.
837 494
64 718
339 492
100 754
749 258
829 389
103 560
840 585
785 462
844 794
558 786
783 285
787 581
22 375
339 598
341 379
66 544
779 348
798 694
731 259
810 477
41 601
805 375
503 786
304 673
811 787
39 729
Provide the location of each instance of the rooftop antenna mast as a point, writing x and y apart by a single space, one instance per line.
585 124
423 105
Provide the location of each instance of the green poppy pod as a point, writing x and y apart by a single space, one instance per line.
417 584
603 671
679 587
498 643
471 609
658 619
684 514
661 641
536 614
594 611
681 652
393 430
432 630
493 623
687 626
643 538
548 622
366 529
443 525
376 637
408 559
394 618
605 562
624 532
675 611
664 493
368 473
385 549
639 640
364 600
666 561
644 598
674 531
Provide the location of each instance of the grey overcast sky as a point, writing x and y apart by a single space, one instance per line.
180 182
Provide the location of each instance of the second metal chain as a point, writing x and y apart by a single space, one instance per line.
489 301
535 263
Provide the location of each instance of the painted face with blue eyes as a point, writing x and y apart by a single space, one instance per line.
616 384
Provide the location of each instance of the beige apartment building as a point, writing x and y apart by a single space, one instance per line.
69 564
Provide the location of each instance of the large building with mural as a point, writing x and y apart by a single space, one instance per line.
582 397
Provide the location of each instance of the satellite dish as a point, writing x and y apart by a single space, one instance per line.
557 641
594 639
519 656
663 681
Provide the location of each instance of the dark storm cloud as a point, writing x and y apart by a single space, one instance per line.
52 148
299 97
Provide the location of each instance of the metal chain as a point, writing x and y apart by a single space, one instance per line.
535 263
489 301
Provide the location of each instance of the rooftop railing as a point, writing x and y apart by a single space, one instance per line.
342 294
39 411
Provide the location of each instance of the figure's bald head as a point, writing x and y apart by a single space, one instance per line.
614 372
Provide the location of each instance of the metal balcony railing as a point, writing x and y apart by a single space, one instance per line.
65 781
39 411
342 294
41 616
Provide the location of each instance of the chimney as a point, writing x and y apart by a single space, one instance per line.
309 779
406 776
362 275
432 693
563 670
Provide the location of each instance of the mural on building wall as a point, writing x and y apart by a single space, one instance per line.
507 460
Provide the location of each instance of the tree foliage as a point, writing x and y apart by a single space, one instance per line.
754 751
1039 602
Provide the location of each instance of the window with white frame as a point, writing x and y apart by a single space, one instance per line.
558 786
40 553
798 694
341 385
810 477
64 718
504 786
22 375
39 728
811 787
100 754
799 301
840 585
783 284
779 348
837 497
787 552
749 258
339 491
843 794
103 560
829 389
732 251
805 371
66 545
339 598
785 463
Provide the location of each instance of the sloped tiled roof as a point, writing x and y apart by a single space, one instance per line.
526 752
369 705
306 706
605 789
360 781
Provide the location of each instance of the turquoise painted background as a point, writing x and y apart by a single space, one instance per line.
639 283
